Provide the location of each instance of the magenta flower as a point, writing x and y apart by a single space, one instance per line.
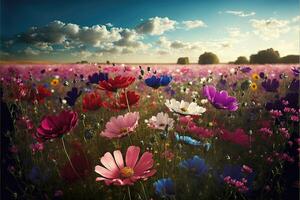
121 126
116 172
238 137
220 100
54 126
201 132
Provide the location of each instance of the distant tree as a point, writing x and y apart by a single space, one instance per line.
208 58
265 57
107 62
290 59
241 60
183 60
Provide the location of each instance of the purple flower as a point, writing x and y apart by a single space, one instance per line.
270 85
220 100
296 71
245 69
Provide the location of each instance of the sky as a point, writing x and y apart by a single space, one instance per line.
138 31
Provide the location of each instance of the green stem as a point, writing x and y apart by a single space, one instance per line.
129 195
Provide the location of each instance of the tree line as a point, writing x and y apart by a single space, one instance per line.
268 56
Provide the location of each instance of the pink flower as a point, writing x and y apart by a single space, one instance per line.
247 169
35 147
238 136
120 126
201 132
116 172
295 118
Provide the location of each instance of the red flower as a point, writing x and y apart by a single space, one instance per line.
41 94
91 101
54 126
121 103
112 84
79 161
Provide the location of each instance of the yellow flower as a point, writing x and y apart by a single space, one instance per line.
255 76
253 86
54 82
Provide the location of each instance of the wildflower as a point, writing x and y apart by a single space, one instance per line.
184 108
164 187
195 165
54 126
276 113
97 77
270 85
118 82
245 69
36 147
255 76
121 126
91 101
121 102
296 71
161 121
253 86
72 96
155 82
247 169
54 82
201 132
187 140
116 172
220 100
295 118
238 136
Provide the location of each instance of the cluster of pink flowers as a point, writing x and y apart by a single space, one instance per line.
295 118
246 169
284 132
280 156
266 132
276 113
238 136
36 147
240 185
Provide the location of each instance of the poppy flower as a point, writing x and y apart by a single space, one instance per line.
121 102
195 165
220 100
164 187
121 126
39 94
115 172
161 121
72 96
91 101
80 163
54 126
113 84
270 85
184 108
155 82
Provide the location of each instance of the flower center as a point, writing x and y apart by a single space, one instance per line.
127 172
123 130
161 125
183 109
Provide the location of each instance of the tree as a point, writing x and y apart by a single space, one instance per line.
267 56
183 60
107 62
208 58
290 59
241 60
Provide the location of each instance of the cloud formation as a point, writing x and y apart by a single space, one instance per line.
240 13
191 24
156 26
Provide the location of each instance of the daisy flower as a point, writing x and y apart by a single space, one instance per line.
161 121
184 108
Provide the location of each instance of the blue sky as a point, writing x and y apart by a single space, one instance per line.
145 31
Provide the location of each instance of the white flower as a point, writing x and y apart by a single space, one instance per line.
184 108
204 101
160 121
232 70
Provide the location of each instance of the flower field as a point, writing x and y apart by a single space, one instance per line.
150 132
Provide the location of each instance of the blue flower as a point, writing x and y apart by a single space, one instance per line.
245 69
72 96
164 187
37 176
156 82
187 140
97 77
196 165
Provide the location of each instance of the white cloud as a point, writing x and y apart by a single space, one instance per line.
31 52
269 28
296 19
179 44
193 24
240 13
163 42
156 26
234 32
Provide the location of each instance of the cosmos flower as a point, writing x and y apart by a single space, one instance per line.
155 82
245 69
238 136
195 165
97 77
91 101
121 126
161 121
164 188
220 100
296 71
54 126
116 172
121 102
118 82
201 132
187 140
184 108
270 85
40 94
